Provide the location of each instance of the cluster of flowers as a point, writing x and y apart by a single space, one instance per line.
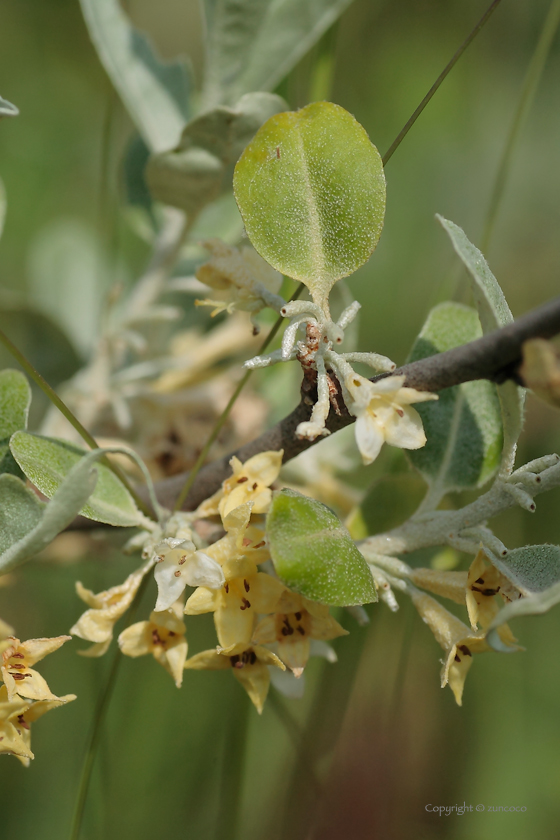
261 625
25 695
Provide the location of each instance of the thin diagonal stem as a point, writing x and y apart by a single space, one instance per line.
528 90
441 78
225 413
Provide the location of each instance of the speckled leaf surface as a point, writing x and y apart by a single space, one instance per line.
15 399
314 554
463 427
311 190
47 461
494 313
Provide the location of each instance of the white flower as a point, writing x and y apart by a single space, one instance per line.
179 565
384 414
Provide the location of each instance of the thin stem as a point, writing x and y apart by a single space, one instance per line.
97 726
72 419
528 90
225 413
231 788
442 76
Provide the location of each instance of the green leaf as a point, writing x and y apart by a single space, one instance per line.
252 45
27 526
155 94
463 427
314 554
311 190
194 173
46 461
15 399
535 570
7 109
494 313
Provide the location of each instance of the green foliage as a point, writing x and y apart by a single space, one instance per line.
390 501
27 526
463 427
314 554
494 313
47 461
254 44
311 190
535 570
7 109
15 399
155 94
194 173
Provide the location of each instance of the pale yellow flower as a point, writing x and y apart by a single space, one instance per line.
483 584
241 278
249 666
180 564
384 414
295 622
18 673
457 640
448 584
16 718
96 624
163 636
250 482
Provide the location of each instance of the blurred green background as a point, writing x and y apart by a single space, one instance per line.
387 741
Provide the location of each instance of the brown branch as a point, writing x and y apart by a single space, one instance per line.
496 356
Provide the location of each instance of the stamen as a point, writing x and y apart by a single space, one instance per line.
464 649
400 412
255 485
300 629
177 573
19 676
182 559
246 585
260 545
17 656
243 479
245 604
19 665
226 587
298 616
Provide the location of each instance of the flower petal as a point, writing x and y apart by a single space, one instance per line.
369 438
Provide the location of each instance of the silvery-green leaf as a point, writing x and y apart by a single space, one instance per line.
463 427
252 45
535 570
15 399
494 313
7 109
314 554
27 526
47 461
311 190
155 94
194 173
66 268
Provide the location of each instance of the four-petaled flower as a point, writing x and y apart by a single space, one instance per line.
16 717
249 666
17 672
383 414
96 624
180 564
250 482
163 636
295 622
484 582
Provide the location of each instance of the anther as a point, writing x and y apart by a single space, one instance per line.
255 485
243 479
464 649
245 604
298 616
246 585
182 559
177 573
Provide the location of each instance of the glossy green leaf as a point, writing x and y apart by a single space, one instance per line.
155 94
46 462
535 570
7 109
194 173
252 45
27 525
311 190
494 313
463 427
314 554
15 399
